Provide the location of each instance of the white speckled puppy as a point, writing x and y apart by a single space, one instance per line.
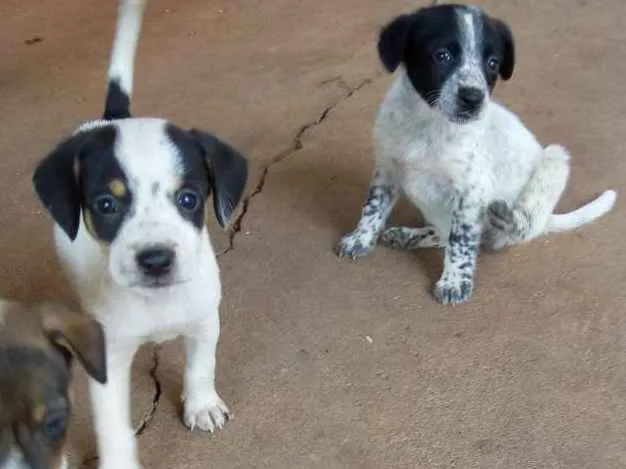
472 168
140 258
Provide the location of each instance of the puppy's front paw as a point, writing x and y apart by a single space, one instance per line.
354 245
207 413
453 291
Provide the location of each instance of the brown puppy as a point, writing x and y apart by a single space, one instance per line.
37 344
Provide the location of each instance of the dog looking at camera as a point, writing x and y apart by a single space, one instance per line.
37 344
140 257
472 168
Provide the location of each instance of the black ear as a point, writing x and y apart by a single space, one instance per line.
508 47
228 172
56 185
392 41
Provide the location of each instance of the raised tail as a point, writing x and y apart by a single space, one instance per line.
121 67
558 223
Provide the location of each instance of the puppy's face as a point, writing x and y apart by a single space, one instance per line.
36 346
141 186
453 55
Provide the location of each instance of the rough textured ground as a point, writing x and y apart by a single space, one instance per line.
330 364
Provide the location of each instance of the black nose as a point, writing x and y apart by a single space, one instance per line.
471 98
155 261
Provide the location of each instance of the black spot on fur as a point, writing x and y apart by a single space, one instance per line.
195 174
55 181
211 166
98 167
117 102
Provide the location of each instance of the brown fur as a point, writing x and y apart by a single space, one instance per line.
37 344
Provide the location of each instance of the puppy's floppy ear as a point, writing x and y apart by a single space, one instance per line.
228 172
508 48
79 334
392 41
57 187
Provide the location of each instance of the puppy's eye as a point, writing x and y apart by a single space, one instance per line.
106 205
187 200
443 56
54 426
493 63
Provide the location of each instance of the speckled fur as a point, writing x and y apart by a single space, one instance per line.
484 180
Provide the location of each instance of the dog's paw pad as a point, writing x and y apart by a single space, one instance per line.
209 416
453 292
354 246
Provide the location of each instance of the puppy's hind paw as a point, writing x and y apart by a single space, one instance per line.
354 245
207 415
500 215
453 292
395 237
402 237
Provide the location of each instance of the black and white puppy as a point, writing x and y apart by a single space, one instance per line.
472 168
140 257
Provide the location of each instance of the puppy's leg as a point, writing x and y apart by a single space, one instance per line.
381 198
456 284
117 447
527 218
203 407
404 237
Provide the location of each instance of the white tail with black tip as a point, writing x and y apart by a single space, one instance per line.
558 223
121 67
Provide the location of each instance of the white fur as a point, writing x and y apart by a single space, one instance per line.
124 49
430 158
108 284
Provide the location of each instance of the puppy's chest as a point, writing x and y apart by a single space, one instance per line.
435 169
158 318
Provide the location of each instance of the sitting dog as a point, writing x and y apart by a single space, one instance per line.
140 257
36 347
471 167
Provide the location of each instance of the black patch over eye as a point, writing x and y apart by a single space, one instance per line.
493 63
106 204
188 199
55 425
442 56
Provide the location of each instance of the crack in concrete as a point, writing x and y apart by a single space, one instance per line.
295 146
156 397
87 462
148 415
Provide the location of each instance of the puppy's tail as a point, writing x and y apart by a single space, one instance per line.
121 67
558 223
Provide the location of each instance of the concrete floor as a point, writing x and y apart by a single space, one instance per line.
327 363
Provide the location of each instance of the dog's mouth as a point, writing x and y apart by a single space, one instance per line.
159 283
465 114
148 284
